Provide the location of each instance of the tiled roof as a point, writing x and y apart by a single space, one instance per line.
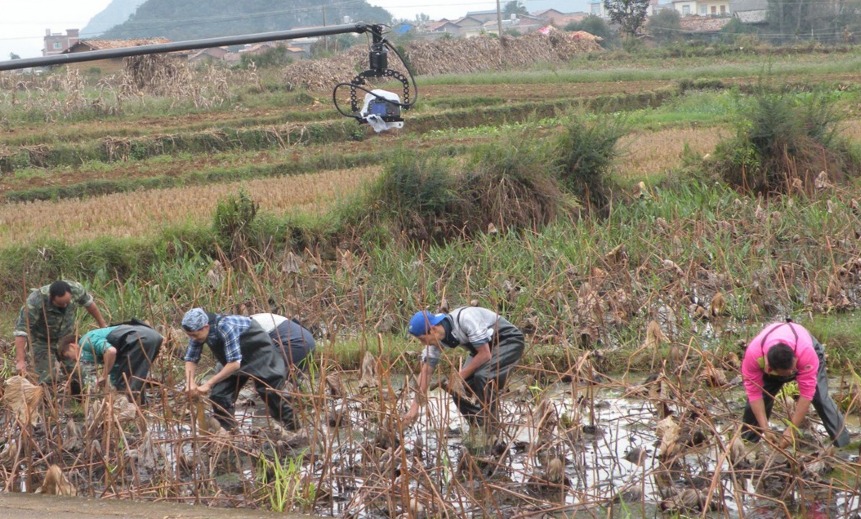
119 44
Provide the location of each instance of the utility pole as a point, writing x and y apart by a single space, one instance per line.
499 20
325 39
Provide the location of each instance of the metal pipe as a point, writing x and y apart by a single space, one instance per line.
207 43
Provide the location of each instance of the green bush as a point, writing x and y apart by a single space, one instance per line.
416 193
430 198
233 220
584 154
511 185
665 26
781 145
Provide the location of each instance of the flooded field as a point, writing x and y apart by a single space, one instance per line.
577 444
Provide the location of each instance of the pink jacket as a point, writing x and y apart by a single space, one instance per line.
753 365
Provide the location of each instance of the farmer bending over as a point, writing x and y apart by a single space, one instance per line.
296 343
126 350
47 316
783 352
244 351
494 344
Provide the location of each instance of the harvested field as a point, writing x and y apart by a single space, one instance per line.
644 153
654 152
144 213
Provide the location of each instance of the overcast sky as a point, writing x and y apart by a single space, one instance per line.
23 22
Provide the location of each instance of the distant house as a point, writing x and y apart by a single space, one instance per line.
112 64
57 43
257 49
702 7
443 26
519 23
752 12
482 16
559 19
596 8
703 28
208 55
304 43
469 26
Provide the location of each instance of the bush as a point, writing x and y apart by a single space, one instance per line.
270 58
415 193
665 26
782 144
511 185
233 222
584 154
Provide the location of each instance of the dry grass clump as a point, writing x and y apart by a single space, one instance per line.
508 185
22 397
485 53
167 76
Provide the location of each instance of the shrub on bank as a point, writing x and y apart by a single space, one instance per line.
426 198
511 185
583 157
783 143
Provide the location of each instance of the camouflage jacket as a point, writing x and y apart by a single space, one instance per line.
44 322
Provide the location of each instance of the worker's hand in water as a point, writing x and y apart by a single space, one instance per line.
772 437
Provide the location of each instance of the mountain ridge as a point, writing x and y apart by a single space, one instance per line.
193 19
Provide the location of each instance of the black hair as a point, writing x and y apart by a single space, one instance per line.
59 289
780 356
63 346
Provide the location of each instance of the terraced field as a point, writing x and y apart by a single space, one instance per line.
239 195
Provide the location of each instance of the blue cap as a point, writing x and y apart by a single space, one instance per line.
421 323
194 320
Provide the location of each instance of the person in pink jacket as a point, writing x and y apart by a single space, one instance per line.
780 353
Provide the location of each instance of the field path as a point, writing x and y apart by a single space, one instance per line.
32 506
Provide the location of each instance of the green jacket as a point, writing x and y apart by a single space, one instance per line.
43 322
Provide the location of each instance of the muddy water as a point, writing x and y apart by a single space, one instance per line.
599 439
603 437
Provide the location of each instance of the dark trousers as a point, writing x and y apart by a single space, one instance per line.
488 380
266 368
825 406
137 348
295 342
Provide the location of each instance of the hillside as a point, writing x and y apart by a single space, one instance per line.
117 12
190 19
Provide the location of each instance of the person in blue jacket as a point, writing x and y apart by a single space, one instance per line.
126 352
